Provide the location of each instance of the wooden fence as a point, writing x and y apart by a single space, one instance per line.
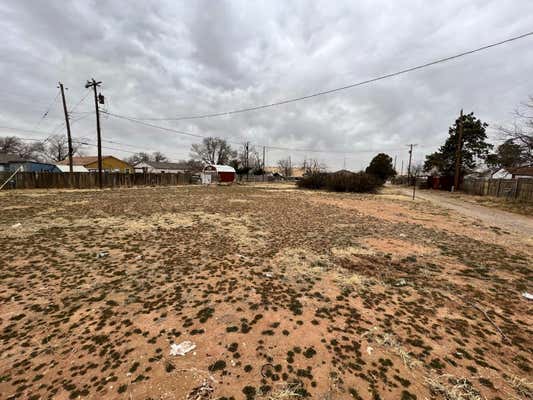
89 180
511 189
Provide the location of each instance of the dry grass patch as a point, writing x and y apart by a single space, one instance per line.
450 387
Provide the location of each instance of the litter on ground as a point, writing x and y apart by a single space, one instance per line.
182 348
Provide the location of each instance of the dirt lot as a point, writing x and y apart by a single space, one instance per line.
285 293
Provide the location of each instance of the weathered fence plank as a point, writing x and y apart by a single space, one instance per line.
89 180
511 189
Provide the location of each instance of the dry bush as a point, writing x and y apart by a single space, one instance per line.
359 182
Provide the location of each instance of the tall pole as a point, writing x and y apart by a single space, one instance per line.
409 165
458 153
395 164
94 85
401 173
263 163
67 123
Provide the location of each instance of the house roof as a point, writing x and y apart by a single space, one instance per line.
522 171
85 160
222 168
75 168
9 157
80 160
166 165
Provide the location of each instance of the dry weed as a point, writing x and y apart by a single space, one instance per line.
453 388
390 341
522 386
285 392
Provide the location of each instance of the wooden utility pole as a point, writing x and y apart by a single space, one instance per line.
395 164
92 83
409 165
264 150
458 153
67 123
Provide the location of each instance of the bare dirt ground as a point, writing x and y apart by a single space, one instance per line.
487 211
285 293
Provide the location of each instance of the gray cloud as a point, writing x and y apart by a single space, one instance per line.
182 58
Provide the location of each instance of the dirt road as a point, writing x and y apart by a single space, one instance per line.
502 219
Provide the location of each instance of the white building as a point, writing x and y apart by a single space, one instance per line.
75 168
161 167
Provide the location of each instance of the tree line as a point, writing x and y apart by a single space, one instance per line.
516 149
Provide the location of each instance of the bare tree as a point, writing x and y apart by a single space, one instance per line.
313 166
521 132
285 167
15 145
138 158
55 148
159 157
213 150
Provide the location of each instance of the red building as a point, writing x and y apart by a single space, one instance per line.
220 173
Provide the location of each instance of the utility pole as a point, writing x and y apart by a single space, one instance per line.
458 153
395 164
67 122
263 163
92 83
410 158
401 173
246 153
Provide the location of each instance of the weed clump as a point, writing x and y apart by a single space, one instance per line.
359 182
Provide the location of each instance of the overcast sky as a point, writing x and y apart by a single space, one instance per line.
172 59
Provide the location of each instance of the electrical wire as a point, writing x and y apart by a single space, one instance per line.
166 129
47 110
338 89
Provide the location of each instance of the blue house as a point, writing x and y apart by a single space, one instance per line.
12 162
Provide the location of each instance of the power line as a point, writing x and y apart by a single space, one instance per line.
84 141
47 110
350 86
239 143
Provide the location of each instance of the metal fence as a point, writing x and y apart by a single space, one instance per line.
88 180
511 189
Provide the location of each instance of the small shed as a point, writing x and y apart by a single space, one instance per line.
220 173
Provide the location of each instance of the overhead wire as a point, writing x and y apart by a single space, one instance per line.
350 86
180 132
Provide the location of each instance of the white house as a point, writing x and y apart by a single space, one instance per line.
75 168
513 173
161 167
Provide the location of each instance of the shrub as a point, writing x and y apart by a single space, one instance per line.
359 182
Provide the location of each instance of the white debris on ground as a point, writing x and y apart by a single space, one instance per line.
401 282
17 225
102 254
527 295
182 348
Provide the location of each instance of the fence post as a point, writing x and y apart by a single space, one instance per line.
516 188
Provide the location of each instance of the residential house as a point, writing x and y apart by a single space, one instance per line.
109 164
12 162
75 168
514 173
161 167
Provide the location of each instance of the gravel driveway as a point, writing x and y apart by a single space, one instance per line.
502 219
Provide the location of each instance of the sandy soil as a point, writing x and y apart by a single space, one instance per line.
285 293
